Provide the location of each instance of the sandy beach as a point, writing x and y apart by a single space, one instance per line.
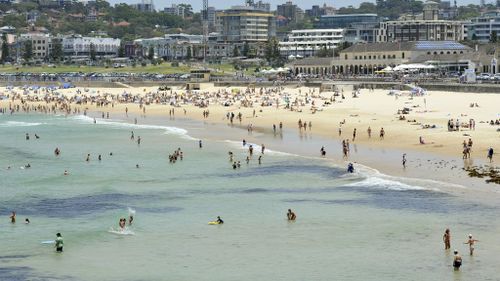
365 223
423 127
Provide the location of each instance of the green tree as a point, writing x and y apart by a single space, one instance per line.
246 49
188 53
5 48
28 50
57 51
121 51
272 53
236 52
151 53
92 52
493 36
188 10
325 52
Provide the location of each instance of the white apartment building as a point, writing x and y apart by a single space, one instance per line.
307 42
78 46
41 44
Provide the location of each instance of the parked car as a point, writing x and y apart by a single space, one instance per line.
484 76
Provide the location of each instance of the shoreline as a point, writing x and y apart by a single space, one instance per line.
424 160
454 182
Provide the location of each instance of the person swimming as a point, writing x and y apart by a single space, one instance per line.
122 223
219 220
66 172
130 219
27 221
291 215
13 217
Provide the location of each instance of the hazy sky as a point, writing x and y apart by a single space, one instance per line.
305 4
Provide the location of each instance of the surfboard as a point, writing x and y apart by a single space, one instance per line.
48 242
213 223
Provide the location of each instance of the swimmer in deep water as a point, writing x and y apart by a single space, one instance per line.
13 217
27 221
219 220
130 219
291 215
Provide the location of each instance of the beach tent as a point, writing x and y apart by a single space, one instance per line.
414 66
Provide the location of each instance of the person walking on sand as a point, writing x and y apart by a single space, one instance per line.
471 243
490 154
354 135
382 133
369 132
457 260
447 239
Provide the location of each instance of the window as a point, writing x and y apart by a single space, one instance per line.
403 55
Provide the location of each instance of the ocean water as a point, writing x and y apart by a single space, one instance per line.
349 226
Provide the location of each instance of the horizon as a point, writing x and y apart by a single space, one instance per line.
197 4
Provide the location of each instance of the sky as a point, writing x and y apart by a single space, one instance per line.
305 4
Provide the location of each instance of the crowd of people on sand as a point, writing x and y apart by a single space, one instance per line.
53 103
457 125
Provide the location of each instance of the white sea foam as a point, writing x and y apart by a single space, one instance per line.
10 124
120 124
376 182
257 148
124 231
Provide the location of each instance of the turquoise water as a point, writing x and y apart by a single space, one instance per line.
349 227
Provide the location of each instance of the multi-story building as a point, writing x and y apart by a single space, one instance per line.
175 10
242 24
317 11
418 30
446 11
344 21
212 16
424 27
41 44
144 6
371 57
78 46
262 6
481 28
306 43
177 46
290 11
